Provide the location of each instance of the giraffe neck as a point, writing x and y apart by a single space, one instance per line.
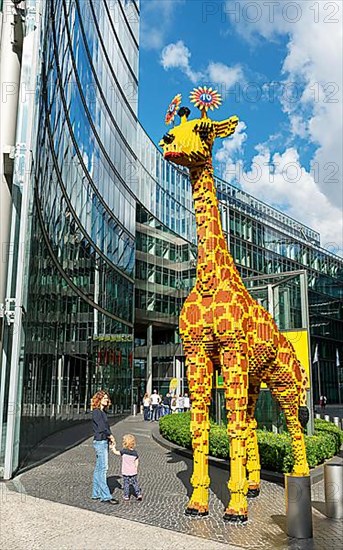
215 262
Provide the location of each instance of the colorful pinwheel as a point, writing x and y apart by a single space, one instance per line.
205 98
173 109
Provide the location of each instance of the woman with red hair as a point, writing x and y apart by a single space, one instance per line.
102 438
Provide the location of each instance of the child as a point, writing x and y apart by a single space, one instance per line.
129 466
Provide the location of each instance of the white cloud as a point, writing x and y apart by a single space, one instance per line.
165 8
313 68
299 126
279 180
289 184
228 156
151 39
177 56
233 147
218 73
156 20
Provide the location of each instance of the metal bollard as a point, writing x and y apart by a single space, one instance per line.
134 409
318 415
333 486
337 421
327 417
298 506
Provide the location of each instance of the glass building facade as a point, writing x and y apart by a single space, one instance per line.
110 242
81 274
76 335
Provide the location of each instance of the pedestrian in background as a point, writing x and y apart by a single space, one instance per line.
166 404
179 403
173 405
146 407
129 466
102 437
323 401
160 409
155 401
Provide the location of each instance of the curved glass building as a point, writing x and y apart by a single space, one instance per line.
83 235
104 240
77 330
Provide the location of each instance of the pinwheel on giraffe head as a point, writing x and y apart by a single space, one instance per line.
190 143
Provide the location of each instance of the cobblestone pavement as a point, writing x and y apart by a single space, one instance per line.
164 477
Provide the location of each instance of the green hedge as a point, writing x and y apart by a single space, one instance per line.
324 426
275 449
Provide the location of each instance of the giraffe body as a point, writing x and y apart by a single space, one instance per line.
222 325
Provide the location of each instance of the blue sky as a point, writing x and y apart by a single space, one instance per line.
278 68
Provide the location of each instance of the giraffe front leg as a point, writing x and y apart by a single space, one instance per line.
234 367
199 374
237 509
253 456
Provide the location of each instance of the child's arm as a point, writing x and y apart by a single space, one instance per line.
114 450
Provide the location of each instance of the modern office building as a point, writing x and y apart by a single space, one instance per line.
101 233
69 304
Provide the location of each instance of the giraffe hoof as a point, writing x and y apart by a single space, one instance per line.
195 513
253 493
233 518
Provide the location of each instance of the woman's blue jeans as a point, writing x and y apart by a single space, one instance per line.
100 487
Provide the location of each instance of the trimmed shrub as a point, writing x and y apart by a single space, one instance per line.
176 428
275 449
327 427
218 441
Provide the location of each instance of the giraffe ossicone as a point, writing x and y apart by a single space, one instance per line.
222 326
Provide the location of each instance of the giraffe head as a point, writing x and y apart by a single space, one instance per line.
190 143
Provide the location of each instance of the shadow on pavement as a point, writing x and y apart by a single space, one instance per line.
291 543
184 475
60 442
320 506
113 483
218 477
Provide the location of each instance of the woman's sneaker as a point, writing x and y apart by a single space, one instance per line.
126 498
139 497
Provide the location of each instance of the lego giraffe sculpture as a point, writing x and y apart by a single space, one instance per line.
220 323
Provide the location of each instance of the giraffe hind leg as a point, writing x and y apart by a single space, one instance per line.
288 398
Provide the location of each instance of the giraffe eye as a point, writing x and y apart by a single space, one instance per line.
168 138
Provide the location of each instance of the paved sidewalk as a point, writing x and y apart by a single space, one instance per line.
29 523
71 520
